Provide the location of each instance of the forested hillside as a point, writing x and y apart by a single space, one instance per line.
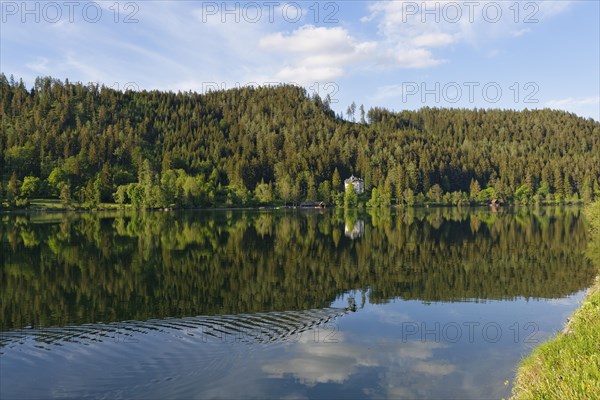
87 144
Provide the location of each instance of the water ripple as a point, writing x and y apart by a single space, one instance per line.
269 327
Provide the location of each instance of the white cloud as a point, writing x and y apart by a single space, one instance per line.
315 54
587 107
574 102
547 9
89 71
433 39
386 92
311 39
410 24
520 32
305 74
417 58
40 65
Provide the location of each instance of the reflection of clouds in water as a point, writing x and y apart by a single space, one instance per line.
390 316
399 393
475 380
312 363
417 350
434 368
294 396
315 363
311 371
408 373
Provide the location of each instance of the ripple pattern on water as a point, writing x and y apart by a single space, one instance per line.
269 327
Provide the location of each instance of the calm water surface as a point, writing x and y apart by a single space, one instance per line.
437 303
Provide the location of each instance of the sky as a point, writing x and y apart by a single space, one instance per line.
393 54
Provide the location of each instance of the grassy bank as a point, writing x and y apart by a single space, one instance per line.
568 366
57 205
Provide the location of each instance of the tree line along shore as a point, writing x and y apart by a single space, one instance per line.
89 146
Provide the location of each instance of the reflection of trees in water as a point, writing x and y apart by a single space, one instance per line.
353 226
77 268
355 231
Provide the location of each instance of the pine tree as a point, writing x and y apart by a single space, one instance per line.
558 183
336 181
145 181
474 189
285 189
12 190
65 194
567 188
311 191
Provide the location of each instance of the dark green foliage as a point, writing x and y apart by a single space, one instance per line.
229 142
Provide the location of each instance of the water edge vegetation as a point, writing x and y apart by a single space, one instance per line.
568 366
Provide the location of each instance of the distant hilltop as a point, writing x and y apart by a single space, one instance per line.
266 145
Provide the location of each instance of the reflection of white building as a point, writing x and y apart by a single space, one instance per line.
355 231
357 183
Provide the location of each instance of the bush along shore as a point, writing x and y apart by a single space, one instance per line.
568 366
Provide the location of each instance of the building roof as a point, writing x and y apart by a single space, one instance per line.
353 179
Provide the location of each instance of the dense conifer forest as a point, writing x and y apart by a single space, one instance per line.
89 145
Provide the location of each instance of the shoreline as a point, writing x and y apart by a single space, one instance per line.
568 365
114 207
594 288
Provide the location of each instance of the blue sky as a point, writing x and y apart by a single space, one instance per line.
394 54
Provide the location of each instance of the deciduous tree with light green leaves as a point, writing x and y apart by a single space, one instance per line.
350 197
30 186
263 193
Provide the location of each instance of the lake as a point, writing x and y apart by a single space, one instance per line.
416 303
